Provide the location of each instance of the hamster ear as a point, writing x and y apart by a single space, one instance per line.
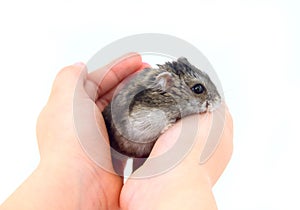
164 80
184 60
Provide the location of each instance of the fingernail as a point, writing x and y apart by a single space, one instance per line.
81 64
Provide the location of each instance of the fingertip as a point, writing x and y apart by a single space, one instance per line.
144 66
130 58
69 77
75 70
133 54
228 118
79 64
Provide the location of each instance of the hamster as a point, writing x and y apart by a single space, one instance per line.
152 101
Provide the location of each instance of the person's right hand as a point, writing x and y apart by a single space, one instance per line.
187 185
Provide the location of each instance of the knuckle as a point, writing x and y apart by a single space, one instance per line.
69 71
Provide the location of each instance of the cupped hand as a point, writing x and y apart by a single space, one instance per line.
73 140
188 183
76 171
67 133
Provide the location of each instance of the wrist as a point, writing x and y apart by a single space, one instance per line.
55 187
71 187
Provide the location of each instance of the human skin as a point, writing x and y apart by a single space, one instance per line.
187 185
67 178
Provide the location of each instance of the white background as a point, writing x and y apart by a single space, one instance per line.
253 46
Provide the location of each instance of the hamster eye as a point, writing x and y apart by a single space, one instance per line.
198 88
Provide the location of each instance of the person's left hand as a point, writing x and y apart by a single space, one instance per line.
62 139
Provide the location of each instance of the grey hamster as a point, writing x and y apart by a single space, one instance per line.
152 101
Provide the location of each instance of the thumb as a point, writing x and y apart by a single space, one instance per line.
68 80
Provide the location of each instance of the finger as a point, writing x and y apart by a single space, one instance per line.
112 74
105 99
144 65
91 89
199 127
219 158
223 152
191 130
68 80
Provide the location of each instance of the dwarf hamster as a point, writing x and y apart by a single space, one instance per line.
152 101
